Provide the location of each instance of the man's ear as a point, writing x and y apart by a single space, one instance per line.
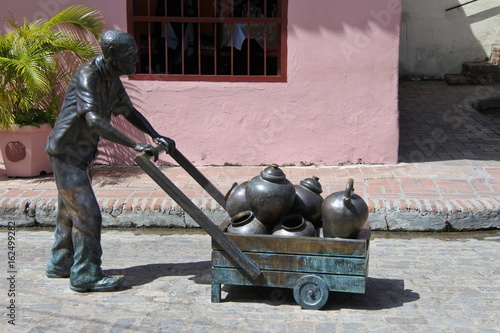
112 52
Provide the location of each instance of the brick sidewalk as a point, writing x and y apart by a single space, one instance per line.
449 177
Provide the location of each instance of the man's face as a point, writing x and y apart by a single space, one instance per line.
125 59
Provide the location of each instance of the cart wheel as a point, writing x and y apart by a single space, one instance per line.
311 292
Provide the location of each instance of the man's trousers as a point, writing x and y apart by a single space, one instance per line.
77 248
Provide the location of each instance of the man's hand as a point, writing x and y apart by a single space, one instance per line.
148 149
168 143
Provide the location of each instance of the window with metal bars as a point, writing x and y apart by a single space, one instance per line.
209 40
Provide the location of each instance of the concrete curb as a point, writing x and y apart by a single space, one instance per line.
385 215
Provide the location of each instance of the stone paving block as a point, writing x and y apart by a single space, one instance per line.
415 221
461 221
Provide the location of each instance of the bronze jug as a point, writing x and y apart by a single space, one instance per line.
308 200
245 223
236 201
344 213
294 225
270 195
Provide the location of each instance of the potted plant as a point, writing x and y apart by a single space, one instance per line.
37 59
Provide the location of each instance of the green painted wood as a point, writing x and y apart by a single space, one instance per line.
367 262
299 263
300 245
342 247
278 279
216 292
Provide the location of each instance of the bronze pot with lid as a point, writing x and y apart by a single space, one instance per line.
270 195
308 200
343 213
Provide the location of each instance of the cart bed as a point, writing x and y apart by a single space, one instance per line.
341 263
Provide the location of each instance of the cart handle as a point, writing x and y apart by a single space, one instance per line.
196 175
234 254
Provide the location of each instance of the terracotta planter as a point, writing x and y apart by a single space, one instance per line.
23 150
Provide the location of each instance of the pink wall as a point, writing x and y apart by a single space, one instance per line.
338 105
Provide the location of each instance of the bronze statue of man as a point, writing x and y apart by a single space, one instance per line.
94 94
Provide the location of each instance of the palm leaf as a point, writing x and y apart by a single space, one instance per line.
82 17
31 70
80 48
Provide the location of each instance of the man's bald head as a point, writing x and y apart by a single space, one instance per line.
116 39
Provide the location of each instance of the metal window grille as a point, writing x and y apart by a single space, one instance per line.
209 40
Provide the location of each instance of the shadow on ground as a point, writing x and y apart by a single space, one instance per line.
144 274
379 294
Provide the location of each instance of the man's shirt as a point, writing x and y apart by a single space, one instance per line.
91 89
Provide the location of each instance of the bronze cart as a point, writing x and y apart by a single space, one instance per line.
311 266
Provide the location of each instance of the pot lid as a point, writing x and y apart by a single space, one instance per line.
312 184
273 174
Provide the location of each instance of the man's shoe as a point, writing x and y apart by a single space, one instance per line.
107 282
56 275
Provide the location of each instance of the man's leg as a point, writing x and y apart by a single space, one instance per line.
86 272
86 234
82 209
61 258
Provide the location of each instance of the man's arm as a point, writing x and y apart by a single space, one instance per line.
108 132
141 123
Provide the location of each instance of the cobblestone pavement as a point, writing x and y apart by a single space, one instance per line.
437 123
418 283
